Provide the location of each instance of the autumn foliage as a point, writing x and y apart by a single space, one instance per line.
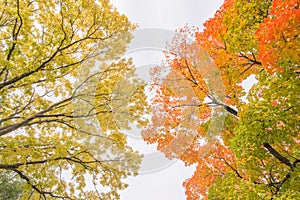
241 149
278 37
58 69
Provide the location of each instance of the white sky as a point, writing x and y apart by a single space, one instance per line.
165 184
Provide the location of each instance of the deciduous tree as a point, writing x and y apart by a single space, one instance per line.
10 185
255 153
58 68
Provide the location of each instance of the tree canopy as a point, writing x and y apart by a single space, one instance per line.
10 185
242 148
59 66
64 108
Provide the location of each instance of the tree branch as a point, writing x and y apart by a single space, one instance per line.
277 155
15 32
35 187
231 110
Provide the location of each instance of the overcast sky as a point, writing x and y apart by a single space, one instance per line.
165 184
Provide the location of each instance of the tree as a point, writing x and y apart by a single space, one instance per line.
59 66
188 113
266 142
10 186
254 154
